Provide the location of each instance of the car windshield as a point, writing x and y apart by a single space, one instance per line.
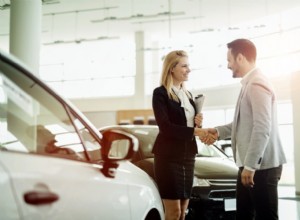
208 150
33 121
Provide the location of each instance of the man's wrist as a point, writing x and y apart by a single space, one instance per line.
218 134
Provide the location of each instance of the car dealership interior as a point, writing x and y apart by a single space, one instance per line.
105 57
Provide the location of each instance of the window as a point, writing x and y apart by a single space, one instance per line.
285 121
97 68
277 44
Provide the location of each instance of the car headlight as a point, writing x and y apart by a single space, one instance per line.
200 182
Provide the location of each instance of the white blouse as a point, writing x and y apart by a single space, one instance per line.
185 103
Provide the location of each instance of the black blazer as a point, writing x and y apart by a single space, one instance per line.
175 138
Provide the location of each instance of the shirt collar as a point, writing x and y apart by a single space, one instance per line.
176 89
247 76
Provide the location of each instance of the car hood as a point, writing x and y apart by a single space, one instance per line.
134 174
205 167
215 168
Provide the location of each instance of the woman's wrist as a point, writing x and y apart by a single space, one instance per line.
200 132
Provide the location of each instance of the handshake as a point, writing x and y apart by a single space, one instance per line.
207 135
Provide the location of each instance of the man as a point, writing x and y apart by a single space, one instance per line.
254 135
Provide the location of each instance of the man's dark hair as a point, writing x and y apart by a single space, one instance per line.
244 47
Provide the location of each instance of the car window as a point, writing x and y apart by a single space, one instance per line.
34 121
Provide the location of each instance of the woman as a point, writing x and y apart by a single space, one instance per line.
175 147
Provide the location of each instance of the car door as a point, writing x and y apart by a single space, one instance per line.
55 188
50 157
8 207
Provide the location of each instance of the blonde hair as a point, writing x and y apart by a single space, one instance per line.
170 61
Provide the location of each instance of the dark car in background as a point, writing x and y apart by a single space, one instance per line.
213 193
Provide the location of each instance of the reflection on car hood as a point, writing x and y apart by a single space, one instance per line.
216 168
133 174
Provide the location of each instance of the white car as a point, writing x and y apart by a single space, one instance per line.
54 164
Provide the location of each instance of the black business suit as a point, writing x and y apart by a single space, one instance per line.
175 147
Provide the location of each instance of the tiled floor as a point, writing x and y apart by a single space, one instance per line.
289 203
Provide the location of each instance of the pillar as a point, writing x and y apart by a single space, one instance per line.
25 31
140 93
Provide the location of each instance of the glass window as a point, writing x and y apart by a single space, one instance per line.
212 118
94 67
287 139
286 131
52 72
285 113
277 44
229 115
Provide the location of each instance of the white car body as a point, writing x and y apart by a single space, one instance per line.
83 191
67 181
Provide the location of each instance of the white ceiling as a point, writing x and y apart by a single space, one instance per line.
70 20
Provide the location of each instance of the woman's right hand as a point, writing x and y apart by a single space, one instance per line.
201 133
211 137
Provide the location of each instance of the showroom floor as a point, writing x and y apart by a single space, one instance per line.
289 203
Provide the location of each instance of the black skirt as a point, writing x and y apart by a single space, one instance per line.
174 178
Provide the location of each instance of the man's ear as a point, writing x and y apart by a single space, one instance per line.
240 57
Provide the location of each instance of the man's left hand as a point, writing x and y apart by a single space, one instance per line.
247 178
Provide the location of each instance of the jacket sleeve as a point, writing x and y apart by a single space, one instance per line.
162 115
261 98
224 131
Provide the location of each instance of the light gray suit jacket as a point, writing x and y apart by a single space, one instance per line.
254 130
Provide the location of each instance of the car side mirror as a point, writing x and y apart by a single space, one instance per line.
119 149
116 146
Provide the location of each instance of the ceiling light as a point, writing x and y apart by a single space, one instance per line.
138 16
81 40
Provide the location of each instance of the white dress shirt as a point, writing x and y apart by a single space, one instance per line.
186 105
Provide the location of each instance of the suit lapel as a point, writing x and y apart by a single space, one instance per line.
236 118
238 104
237 108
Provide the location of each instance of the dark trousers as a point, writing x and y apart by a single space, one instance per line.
261 201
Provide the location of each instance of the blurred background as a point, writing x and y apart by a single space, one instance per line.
106 55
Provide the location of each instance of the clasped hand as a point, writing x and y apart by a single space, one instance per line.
207 136
211 137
